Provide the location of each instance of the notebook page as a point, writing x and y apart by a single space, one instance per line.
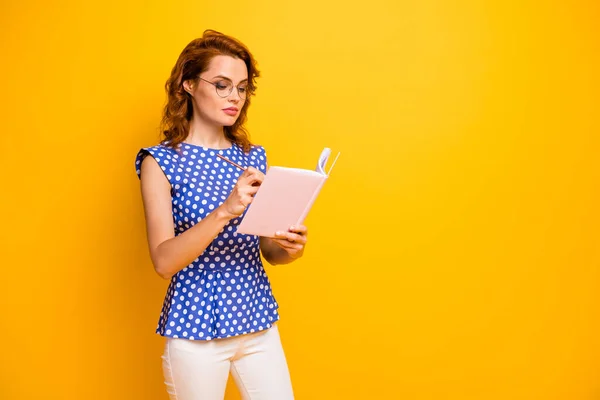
323 160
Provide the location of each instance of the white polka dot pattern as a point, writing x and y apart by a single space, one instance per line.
225 291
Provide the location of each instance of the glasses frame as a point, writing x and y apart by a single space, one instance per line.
237 88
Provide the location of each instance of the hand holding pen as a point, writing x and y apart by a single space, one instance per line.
244 190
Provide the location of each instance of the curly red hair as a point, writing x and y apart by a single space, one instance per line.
193 60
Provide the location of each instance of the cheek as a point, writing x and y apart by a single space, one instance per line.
208 104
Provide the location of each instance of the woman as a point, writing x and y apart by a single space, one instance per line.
219 314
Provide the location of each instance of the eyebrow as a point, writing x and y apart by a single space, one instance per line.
224 77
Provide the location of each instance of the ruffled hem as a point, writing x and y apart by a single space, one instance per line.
163 333
209 304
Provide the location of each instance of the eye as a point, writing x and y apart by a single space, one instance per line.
243 89
222 85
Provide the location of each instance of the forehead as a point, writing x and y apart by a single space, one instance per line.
233 68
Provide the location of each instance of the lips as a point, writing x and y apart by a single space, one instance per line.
230 111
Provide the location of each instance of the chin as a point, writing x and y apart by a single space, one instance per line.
228 121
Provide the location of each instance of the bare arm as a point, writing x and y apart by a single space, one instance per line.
170 253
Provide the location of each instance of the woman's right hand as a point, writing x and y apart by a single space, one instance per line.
243 192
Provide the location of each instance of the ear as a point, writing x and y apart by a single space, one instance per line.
188 87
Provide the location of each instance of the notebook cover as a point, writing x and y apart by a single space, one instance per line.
284 199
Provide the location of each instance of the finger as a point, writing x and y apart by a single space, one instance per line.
249 171
246 199
254 178
300 229
291 237
248 190
245 184
288 245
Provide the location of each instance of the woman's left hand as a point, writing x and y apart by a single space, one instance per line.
293 241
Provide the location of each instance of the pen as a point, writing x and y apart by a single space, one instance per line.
231 162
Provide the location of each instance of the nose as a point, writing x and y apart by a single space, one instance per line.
235 97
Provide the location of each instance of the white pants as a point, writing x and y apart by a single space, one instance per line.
198 370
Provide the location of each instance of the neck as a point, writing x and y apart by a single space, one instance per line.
206 135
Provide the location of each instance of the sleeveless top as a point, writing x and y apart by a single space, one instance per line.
224 292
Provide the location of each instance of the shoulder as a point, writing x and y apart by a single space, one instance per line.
257 157
162 154
257 151
158 151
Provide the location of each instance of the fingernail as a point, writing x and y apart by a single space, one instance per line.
278 233
292 227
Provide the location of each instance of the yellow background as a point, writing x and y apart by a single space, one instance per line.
454 253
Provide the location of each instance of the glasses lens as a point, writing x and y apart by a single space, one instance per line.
223 88
243 91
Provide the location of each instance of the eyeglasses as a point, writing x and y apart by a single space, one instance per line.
225 87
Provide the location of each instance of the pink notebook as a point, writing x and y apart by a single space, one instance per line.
284 199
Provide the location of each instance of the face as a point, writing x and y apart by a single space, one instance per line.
222 73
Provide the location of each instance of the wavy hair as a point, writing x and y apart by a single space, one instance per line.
193 60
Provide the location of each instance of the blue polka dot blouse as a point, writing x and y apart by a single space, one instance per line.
224 292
